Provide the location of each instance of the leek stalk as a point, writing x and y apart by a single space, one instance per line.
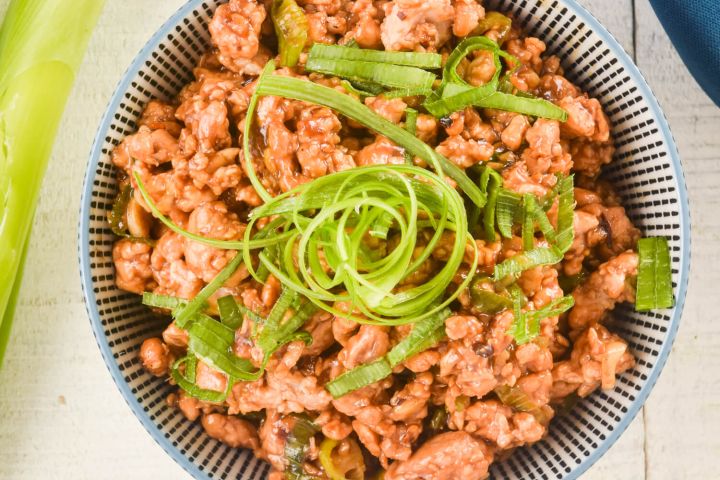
42 43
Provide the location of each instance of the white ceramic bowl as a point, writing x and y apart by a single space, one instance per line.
646 172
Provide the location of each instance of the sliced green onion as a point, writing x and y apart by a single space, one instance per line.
184 315
358 90
411 116
212 342
354 465
490 182
407 92
571 282
395 76
297 446
507 210
410 59
359 377
516 398
566 208
478 97
424 335
189 386
230 314
303 90
534 107
291 28
487 301
654 280
535 210
116 215
155 300
494 21
528 224
347 205
526 326
524 261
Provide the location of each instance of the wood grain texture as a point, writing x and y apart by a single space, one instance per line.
62 417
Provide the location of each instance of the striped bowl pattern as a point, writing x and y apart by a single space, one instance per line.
646 172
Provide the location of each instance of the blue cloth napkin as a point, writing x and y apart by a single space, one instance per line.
694 28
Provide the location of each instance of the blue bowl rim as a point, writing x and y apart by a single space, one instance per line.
84 245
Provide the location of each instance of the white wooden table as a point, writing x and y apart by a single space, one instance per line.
62 417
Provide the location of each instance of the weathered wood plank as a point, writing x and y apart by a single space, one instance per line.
684 409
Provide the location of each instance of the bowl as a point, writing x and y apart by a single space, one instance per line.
647 174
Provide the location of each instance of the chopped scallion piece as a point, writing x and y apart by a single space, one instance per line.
654 280
394 76
507 209
410 59
566 214
527 260
291 28
526 326
230 314
411 116
359 377
297 447
185 314
424 335
187 381
167 302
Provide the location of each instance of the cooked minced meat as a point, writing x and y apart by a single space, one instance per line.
188 152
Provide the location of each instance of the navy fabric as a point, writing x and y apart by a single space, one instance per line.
694 28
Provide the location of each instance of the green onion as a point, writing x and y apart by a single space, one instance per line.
359 377
407 92
524 261
455 93
230 314
425 334
42 43
528 224
117 214
297 446
358 90
410 59
516 398
9 314
566 215
507 209
395 76
488 301
535 107
212 342
411 116
538 215
291 28
494 21
185 314
526 326
654 280
155 300
490 183
187 382
344 207
306 91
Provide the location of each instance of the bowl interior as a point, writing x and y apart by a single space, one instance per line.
646 173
